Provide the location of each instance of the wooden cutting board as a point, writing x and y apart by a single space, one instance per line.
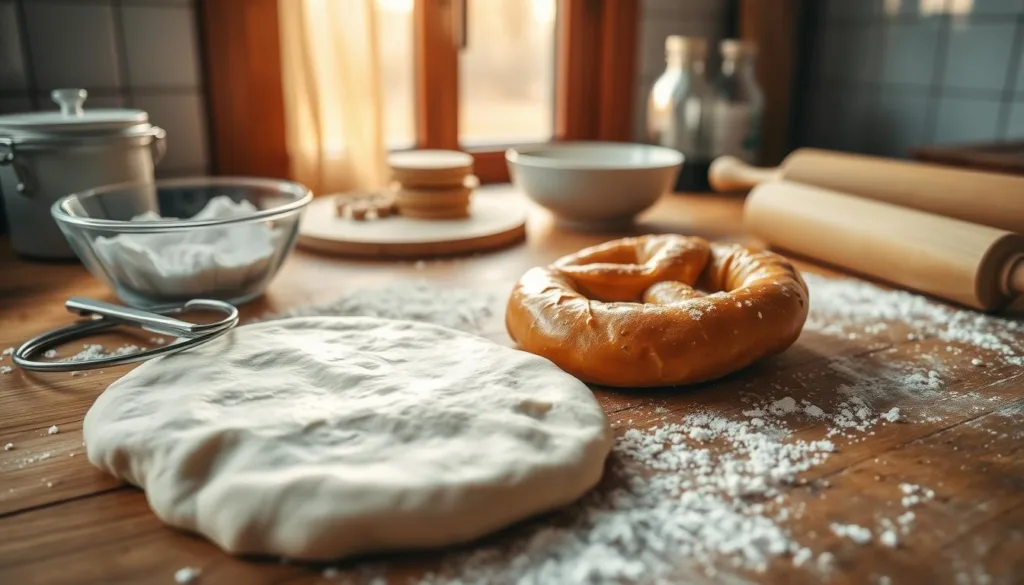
494 222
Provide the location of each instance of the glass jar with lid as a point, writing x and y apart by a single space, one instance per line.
677 109
736 115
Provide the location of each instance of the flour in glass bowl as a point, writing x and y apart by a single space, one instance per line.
192 262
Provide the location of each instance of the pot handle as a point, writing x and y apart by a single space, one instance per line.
21 174
159 144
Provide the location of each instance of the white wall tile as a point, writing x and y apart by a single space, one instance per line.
160 42
966 120
978 54
1015 125
910 51
849 53
839 119
1000 7
899 121
73 44
15 104
844 10
184 118
12 61
94 100
1020 76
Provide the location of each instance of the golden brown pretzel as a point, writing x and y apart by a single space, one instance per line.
628 313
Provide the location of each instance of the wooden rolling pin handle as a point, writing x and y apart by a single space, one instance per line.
729 174
1014 282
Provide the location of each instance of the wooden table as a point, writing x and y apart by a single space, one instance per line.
62 521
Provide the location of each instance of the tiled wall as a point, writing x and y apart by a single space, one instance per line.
127 53
883 76
709 19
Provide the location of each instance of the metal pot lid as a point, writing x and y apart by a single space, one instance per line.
72 119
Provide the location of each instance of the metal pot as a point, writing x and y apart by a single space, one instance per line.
47 155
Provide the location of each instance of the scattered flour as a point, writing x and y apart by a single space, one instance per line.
6 370
857 534
8 446
7 352
217 258
815 411
456 308
784 406
92 351
889 538
914 494
53 430
843 306
892 415
50 353
187 575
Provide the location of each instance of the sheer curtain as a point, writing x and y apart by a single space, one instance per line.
333 103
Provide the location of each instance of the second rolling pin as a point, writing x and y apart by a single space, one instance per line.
973 265
990 199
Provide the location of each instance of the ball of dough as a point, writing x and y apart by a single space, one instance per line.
321 438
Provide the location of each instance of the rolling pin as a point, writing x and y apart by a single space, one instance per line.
973 265
991 199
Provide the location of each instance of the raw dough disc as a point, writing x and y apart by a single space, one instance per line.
321 438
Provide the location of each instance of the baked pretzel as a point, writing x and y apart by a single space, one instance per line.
632 312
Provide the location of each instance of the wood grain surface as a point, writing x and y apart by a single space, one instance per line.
63 521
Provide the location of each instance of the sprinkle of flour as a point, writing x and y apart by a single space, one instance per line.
92 351
53 430
187 575
857 534
6 370
50 353
8 446
461 309
839 306
7 351
889 538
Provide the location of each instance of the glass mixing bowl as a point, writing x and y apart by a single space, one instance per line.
173 240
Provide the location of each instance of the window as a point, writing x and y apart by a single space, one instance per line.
507 72
395 37
505 68
478 75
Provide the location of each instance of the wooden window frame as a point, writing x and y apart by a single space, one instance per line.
241 40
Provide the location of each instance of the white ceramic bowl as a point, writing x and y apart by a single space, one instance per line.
594 184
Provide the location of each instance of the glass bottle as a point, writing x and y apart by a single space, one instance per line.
735 125
677 110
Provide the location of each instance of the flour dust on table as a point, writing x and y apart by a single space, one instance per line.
463 309
322 438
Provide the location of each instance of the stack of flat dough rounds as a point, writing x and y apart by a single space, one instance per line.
658 310
323 438
432 184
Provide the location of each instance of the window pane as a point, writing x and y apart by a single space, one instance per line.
507 72
394 40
